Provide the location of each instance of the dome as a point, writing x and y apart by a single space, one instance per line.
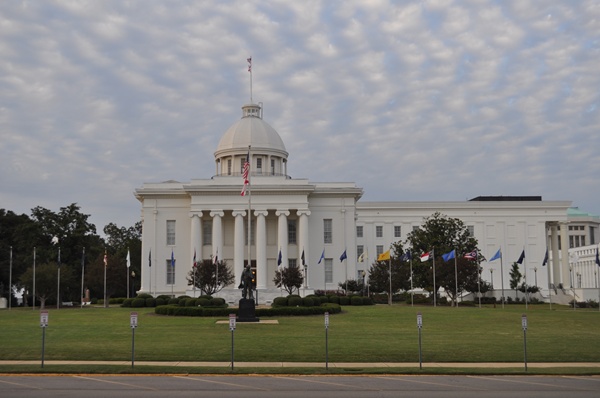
251 130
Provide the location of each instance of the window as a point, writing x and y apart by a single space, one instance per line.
397 231
292 263
379 231
592 236
359 231
259 165
273 166
327 230
228 167
360 249
171 232
328 270
378 250
471 230
415 228
207 232
292 232
171 272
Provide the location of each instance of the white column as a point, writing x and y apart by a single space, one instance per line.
196 236
238 244
282 231
261 249
217 233
303 242
564 251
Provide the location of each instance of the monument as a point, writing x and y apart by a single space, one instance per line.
247 305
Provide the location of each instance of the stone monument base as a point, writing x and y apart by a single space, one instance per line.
247 311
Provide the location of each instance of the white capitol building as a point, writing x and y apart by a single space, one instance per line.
209 217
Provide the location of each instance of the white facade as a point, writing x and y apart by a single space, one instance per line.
209 217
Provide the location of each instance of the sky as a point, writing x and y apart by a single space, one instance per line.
412 100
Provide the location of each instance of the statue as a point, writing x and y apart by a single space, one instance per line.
246 283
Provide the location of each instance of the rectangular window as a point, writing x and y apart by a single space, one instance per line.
328 270
228 167
259 165
207 232
471 230
379 231
272 166
171 272
415 228
170 232
327 230
292 232
360 249
292 262
397 231
359 231
592 236
378 250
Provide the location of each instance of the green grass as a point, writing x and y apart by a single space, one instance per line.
359 334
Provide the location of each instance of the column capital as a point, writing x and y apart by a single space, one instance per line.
303 212
236 213
219 213
263 213
282 213
195 213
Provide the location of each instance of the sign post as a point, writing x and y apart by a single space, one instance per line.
326 340
133 322
420 326
232 328
524 324
44 325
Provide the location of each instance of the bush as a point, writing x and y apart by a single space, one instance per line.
203 302
150 302
333 299
144 295
138 303
191 302
344 300
294 301
127 302
164 297
160 301
308 302
218 302
175 310
173 301
280 302
356 300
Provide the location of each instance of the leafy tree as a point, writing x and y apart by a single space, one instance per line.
379 273
122 241
46 282
288 278
441 234
206 274
351 286
515 277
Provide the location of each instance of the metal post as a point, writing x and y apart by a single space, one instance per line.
132 346
326 340
419 326
524 324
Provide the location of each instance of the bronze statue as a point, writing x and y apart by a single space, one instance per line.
246 283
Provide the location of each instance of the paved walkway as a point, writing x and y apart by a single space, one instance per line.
538 365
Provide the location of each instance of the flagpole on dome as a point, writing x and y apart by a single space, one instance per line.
250 71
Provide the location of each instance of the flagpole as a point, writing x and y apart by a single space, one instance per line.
412 293
249 188
10 282
126 273
502 276
434 290
58 283
479 277
456 277
33 278
82 273
525 278
105 266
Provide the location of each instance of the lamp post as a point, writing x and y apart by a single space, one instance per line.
492 278
132 283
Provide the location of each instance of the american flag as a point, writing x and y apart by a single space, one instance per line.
245 173
471 255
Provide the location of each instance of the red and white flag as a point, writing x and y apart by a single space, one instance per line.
245 174
424 257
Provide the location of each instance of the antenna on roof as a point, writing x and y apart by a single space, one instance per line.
250 71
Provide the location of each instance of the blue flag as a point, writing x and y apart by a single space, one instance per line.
279 258
343 256
496 256
172 259
322 257
545 258
521 257
597 258
406 256
449 256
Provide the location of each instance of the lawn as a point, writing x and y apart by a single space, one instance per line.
359 334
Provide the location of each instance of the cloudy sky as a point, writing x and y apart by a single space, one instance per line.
412 100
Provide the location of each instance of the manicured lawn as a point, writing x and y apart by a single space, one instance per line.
359 334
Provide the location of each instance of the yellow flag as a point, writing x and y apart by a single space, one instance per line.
384 256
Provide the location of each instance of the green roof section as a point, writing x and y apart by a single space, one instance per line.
575 212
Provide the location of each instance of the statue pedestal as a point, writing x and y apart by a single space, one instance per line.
247 311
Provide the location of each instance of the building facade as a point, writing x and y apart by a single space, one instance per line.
318 222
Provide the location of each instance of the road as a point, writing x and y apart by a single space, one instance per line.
133 386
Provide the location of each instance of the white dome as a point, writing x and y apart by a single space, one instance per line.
251 130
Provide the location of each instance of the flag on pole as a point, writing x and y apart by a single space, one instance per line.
406 256
302 258
105 259
361 258
249 64
343 256
471 255
545 258
216 257
597 258
424 257
194 263
322 257
128 259
172 259
449 256
82 258
496 256
150 259
279 261
245 174
384 256
521 257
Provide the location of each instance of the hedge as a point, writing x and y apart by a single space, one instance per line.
176 310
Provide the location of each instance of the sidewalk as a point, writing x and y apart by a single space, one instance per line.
539 365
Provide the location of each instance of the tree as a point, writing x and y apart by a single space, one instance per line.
46 282
205 276
441 234
122 241
351 286
289 278
515 277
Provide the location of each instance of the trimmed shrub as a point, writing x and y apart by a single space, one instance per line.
308 302
164 297
294 301
150 302
203 302
367 301
280 302
191 302
205 296
160 301
344 300
217 302
356 300
333 299
127 302
173 301
144 295
138 303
